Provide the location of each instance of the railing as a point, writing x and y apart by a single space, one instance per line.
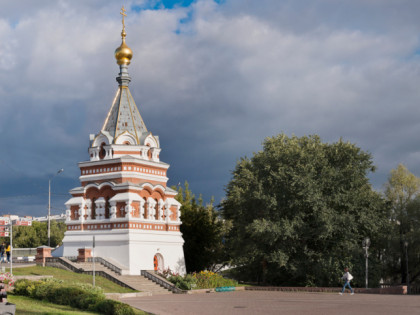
109 277
23 252
151 275
72 258
63 262
109 265
414 289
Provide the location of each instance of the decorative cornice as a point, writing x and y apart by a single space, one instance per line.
124 159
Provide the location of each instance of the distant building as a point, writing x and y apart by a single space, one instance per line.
14 218
123 200
57 217
9 217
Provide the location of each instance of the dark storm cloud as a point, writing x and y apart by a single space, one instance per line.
212 80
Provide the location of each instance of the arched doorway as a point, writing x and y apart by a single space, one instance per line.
158 262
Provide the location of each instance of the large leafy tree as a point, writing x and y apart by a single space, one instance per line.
402 192
300 209
202 229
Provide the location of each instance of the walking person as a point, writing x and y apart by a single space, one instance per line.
8 253
347 277
2 253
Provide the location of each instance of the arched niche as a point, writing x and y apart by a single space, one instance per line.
126 138
100 139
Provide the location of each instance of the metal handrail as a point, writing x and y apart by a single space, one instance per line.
68 264
65 262
107 264
151 275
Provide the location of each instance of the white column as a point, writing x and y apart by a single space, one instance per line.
142 205
81 213
88 210
167 206
128 209
68 213
160 209
113 210
100 208
151 208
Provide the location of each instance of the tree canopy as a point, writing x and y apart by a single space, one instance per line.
202 230
300 209
402 192
36 235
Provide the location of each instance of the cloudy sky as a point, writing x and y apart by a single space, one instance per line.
211 78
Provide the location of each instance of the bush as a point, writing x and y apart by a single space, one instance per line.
82 296
24 287
111 307
208 279
185 283
202 280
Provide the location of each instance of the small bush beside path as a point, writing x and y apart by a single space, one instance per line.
195 281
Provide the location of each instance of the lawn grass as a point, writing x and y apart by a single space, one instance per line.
28 306
70 277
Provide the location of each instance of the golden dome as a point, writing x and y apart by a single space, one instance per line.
123 54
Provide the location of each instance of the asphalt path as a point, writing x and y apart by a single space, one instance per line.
274 302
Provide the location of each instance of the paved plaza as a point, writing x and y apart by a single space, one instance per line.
269 302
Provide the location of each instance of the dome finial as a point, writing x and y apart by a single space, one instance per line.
123 54
123 34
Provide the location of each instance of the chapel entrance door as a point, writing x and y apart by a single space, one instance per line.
158 262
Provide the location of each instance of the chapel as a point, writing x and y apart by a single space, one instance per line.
123 199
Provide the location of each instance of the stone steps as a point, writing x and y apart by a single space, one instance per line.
139 282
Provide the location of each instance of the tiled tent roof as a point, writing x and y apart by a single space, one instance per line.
124 116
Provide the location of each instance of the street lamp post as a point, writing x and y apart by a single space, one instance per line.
366 244
49 205
406 266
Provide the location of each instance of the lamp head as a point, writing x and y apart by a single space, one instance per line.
366 242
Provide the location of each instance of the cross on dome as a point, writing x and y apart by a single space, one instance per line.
123 15
123 54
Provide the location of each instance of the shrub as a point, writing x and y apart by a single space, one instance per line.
111 307
201 280
209 279
82 296
166 273
185 283
24 287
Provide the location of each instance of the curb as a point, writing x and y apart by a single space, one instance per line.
118 296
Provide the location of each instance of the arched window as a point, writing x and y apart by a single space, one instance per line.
93 210
146 210
107 208
102 151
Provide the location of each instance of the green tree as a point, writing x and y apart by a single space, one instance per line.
402 192
300 209
202 230
36 235
412 237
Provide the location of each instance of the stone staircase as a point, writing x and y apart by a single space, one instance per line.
139 283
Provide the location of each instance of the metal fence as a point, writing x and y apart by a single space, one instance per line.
23 252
